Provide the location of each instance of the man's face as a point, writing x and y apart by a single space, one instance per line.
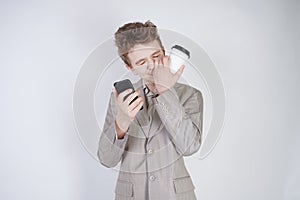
142 58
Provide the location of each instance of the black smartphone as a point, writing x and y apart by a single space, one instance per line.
123 85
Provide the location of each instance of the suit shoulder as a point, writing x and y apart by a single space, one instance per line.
183 89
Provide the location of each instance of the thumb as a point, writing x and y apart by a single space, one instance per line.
180 71
115 93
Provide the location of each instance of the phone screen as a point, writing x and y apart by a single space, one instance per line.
123 85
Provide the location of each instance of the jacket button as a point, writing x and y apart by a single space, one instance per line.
150 151
152 178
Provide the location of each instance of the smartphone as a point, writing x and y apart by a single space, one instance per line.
123 85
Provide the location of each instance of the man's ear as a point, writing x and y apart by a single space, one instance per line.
128 67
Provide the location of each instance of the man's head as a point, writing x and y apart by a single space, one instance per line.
138 45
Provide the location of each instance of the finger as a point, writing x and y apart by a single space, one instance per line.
137 108
180 70
160 64
123 94
155 71
131 97
135 103
155 65
166 61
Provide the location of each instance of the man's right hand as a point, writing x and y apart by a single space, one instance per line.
126 113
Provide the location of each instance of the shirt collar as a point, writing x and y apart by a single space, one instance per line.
148 92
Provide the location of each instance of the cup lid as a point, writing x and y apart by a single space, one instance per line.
180 48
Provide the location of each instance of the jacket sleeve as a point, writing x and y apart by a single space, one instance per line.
183 118
110 149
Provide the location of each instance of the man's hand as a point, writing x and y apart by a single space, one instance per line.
164 79
125 112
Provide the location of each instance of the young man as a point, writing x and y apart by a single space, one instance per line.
151 142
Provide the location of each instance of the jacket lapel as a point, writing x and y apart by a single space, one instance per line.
149 125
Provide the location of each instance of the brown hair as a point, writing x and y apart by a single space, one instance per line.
134 33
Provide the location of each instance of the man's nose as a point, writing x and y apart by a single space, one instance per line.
150 64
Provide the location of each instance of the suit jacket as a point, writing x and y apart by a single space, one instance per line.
151 153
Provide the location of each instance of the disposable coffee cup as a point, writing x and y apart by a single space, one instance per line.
178 56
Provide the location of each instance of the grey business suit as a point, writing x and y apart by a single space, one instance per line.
151 153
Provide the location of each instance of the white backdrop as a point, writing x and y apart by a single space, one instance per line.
254 44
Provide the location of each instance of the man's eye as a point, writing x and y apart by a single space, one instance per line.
141 63
155 56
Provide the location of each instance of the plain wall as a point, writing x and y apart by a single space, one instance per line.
254 44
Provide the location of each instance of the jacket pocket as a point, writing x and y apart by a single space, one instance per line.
183 184
124 188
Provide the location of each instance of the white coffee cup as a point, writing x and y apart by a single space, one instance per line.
178 56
